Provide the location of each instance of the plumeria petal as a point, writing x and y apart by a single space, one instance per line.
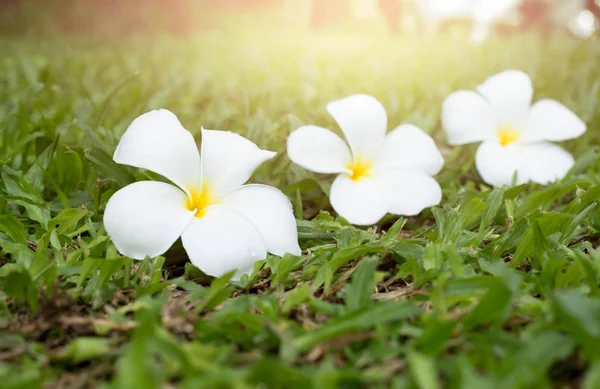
497 164
407 192
228 160
146 218
223 240
467 117
158 142
552 121
409 147
319 150
509 94
359 202
546 162
270 211
364 122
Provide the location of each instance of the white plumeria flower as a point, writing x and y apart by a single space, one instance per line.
516 136
223 224
378 173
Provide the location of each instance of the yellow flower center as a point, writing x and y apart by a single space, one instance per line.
507 135
199 200
359 169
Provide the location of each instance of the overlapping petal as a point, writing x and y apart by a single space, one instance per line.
158 142
541 162
228 160
146 218
363 120
467 117
270 211
407 192
497 164
408 147
509 94
359 202
318 150
550 120
546 162
223 240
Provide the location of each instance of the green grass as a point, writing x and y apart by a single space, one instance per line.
492 289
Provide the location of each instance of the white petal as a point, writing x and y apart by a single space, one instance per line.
146 218
546 162
359 202
319 150
271 213
223 240
409 147
364 122
228 160
550 120
509 94
158 142
467 117
408 192
497 164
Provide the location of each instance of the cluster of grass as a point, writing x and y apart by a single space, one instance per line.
492 289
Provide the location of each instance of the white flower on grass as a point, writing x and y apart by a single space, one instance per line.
516 136
379 173
223 224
